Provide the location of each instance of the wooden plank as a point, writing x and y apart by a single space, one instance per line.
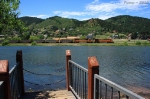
58 94
61 94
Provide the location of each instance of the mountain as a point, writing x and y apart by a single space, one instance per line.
130 23
121 24
30 20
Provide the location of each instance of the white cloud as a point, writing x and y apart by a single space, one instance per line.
104 16
120 5
95 1
39 16
73 13
105 10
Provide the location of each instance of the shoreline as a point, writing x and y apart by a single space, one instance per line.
117 42
75 44
144 92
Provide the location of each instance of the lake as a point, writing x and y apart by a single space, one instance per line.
125 65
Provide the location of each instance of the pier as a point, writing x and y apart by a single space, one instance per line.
81 83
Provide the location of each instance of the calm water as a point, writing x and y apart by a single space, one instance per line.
126 66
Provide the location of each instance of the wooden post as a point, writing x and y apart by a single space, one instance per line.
19 59
93 68
4 76
68 57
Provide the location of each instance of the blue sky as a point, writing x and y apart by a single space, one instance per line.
84 9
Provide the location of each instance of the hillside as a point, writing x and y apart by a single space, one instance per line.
131 24
30 20
56 26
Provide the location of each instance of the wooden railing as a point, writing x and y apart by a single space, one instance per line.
88 84
12 86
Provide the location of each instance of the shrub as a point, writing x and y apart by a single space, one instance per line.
138 43
16 38
34 43
33 38
40 36
82 37
5 42
125 44
26 36
145 43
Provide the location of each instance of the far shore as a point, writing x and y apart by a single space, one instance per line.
117 42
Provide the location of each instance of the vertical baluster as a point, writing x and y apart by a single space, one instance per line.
119 94
79 82
105 91
100 89
97 88
18 82
111 92
75 79
127 97
82 83
73 74
85 86
69 73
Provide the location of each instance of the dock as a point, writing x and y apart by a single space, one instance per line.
57 94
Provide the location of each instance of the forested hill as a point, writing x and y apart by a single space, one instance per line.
30 20
121 24
131 24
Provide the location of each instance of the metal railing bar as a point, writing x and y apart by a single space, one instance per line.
82 84
79 79
79 82
127 97
12 69
105 91
2 89
74 92
100 89
111 92
75 79
119 94
73 76
79 66
85 86
118 87
95 88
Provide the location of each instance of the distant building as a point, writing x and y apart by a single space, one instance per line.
2 36
89 36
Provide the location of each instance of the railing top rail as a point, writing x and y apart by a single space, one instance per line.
13 68
1 82
118 87
79 66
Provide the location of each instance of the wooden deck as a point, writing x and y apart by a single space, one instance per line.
59 94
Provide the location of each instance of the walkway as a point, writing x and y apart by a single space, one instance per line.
59 94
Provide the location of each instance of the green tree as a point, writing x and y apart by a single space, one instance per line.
25 36
9 16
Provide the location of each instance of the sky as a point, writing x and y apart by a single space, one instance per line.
84 9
